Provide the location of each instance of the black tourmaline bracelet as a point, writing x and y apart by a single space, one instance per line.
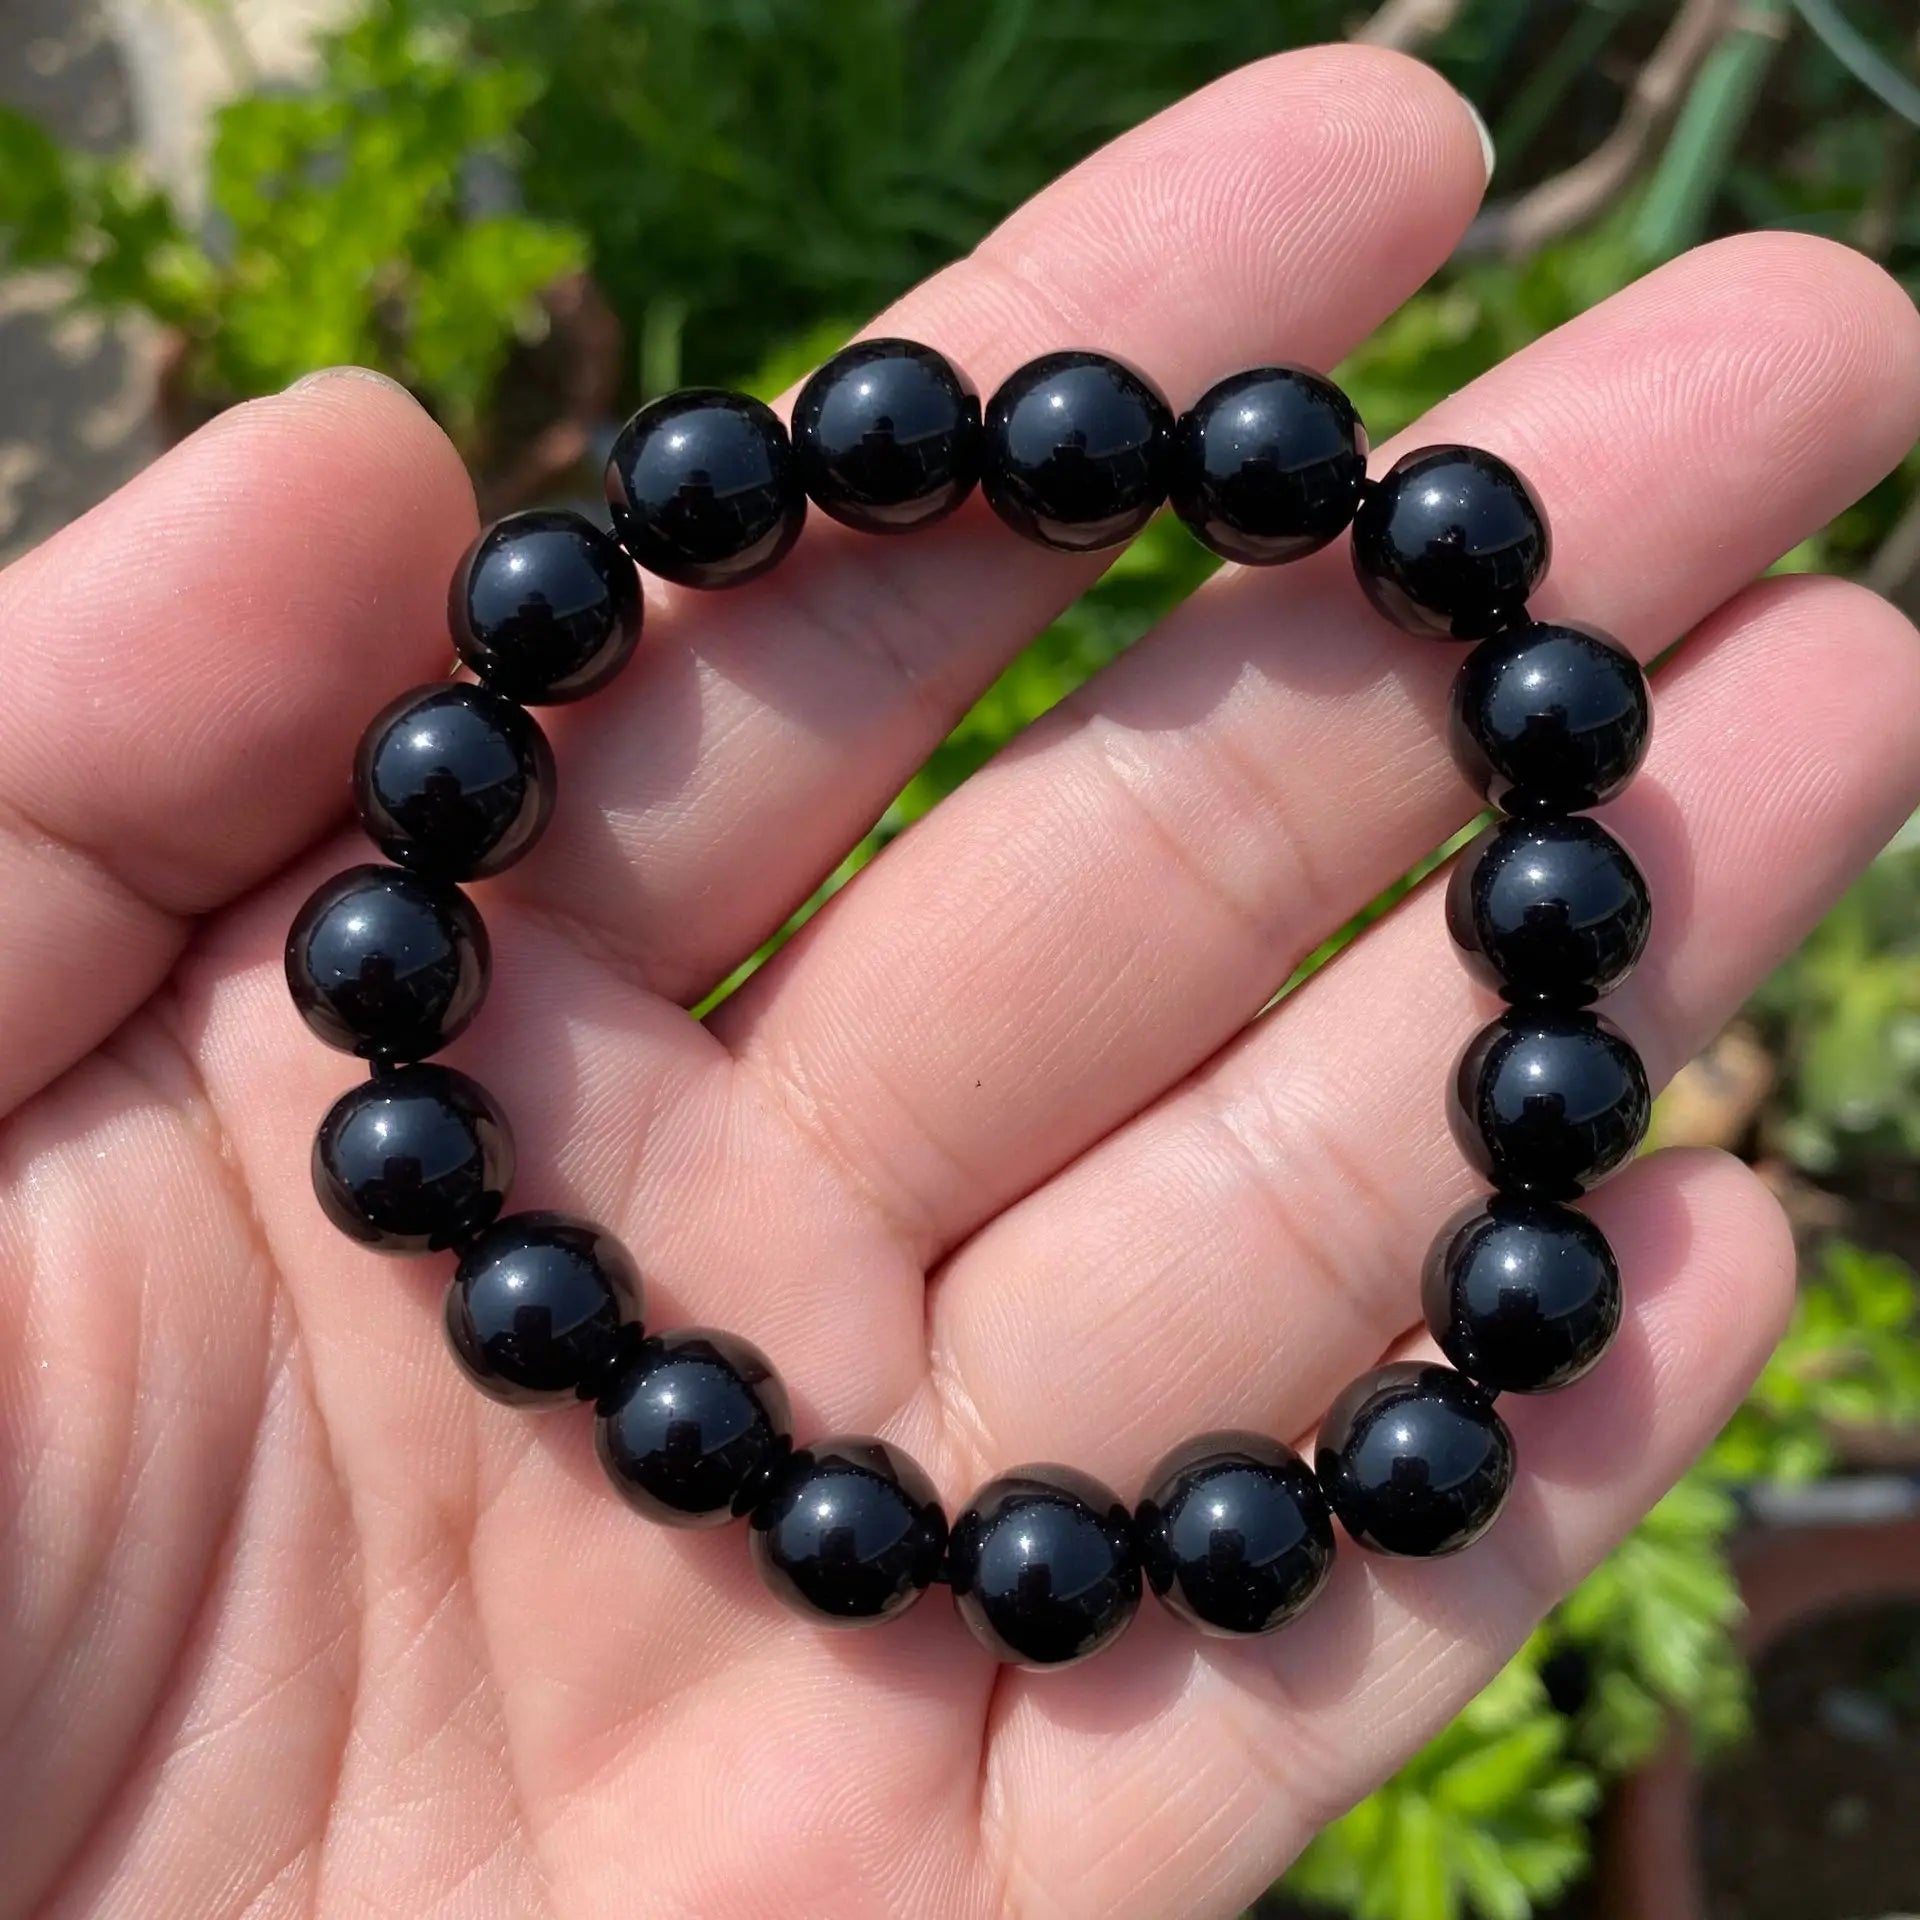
455 781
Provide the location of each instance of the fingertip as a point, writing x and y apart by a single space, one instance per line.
1802 333
1708 1264
226 623
1828 282
1316 188
357 416
1366 142
1846 659
347 370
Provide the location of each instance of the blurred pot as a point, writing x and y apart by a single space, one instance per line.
1833 1545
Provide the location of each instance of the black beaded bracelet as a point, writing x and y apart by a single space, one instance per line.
1076 451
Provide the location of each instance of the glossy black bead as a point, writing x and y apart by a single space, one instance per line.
1550 718
1079 451
704 489
387 964
544 607
1449 542
1549 907
1044 1566
887 436
1268 465
1521 1295
454 780
1414 1460
541 1307
1549 1102
851 1531
692 1426
1234 1532
418 1159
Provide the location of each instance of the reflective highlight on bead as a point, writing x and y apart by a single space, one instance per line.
849 1533
887 436
692 1426
1268 465
1235 1535
1523 1296
1079 451
1548 1102
387 964
1043 1566
541 1307
544 607
454 781
1549 908
703 488
414 1161
1449 542
1551 717
1414 1460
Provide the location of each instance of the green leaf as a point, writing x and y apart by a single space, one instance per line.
1487 1820
1413 1882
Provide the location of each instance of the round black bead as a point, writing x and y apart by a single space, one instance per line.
704 489
541 1306
1549 907
1234 1533
851 1531
1449 542
544 607
1079 451
1550 718
454 780
387 964
419 1159
1549 1102
1414 1460
1268 465
1521 1295
692 1426
1044 1566
887 436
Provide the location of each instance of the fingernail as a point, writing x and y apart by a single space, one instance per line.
1483 130
321 375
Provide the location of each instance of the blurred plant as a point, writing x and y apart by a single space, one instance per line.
1844 1015
1490 1819
1649 1634
1849 1360
349 223
747 168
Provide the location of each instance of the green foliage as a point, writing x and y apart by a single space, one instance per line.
1850 1359
348 224
1680 198
1654 1625
1488 1819
1651 1632
749 168
1845 1015
98 217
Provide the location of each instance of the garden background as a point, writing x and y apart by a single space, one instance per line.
538 212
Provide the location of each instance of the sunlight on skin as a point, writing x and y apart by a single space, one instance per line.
291 1621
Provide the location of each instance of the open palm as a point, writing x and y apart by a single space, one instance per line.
996 1160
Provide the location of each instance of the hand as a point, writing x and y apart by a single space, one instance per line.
996 1160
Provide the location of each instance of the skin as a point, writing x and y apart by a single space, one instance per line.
997 1160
